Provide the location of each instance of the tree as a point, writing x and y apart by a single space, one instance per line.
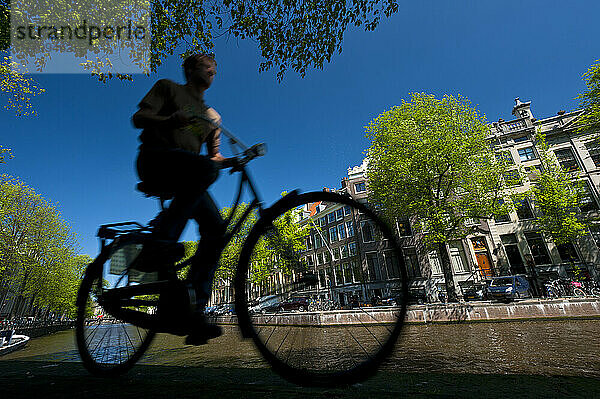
558 198
589 100
431 159
38 260
290 34
275 251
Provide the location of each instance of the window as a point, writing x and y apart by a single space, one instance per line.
458 260
434 262
512 178
533 172
339 214
504 156
339 275
341 231
374 266
347 273
367 232
594 151
309 242
412 262
331 217
588 203
322 279
320 258
566 159
523 209
309 260
404 227
318 241
333 236
350 229
513 255
352 248
357 272
360 187
538 248
595 230
567 252
520 139
336 253
344 251
327 256
393 266
526 154
322 221
501 217
347 210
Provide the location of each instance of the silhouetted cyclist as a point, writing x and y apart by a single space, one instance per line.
169 160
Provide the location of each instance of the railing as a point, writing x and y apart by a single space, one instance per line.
511 126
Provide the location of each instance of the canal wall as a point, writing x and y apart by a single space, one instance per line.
463 312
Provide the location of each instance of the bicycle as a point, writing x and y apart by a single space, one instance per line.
316 348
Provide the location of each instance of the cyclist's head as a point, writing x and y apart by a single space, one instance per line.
193 61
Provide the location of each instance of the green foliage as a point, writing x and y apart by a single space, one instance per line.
589 100
38 252
5 152
275 252
290 34
19 89
431 158
296 35
558 198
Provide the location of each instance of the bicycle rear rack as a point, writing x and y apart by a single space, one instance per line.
113 230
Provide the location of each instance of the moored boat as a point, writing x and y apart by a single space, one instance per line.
10 342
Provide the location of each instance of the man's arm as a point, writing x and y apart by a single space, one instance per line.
213 143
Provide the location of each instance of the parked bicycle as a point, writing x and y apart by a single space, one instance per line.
306 348
558 288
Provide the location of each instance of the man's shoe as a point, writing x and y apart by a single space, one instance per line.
202 330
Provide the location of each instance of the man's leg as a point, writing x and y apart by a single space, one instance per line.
205 262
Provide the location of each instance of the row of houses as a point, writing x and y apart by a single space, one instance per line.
351 266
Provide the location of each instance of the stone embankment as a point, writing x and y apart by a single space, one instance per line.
466 312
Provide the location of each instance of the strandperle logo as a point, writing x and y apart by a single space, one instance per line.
61 36
82 32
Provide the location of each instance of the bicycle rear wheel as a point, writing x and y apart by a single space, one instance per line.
107 345
326 248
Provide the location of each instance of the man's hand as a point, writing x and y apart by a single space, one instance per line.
225 163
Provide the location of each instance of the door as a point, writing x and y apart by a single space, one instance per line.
483 260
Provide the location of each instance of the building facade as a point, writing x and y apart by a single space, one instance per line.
508 244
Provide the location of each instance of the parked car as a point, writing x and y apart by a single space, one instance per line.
507 288
299 303
475 292
266 304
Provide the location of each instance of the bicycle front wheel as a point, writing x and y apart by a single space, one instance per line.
107 345
321 251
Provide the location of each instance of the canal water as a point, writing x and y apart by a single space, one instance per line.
565 347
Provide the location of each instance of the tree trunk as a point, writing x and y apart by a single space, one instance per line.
447 270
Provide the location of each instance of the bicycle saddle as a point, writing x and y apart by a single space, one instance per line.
153 190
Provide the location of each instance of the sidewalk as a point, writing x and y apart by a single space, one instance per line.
24 379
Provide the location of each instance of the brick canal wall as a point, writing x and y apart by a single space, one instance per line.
438 313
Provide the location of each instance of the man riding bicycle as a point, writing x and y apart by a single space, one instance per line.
175 123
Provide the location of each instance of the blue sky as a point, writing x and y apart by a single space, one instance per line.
79 151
